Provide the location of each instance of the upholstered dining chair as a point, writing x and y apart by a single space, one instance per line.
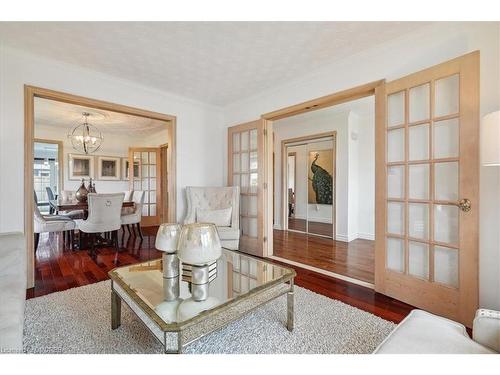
134 217
104 216
51 196
52 223
217 205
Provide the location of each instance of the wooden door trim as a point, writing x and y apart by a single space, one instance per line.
338 97
284 167
30 92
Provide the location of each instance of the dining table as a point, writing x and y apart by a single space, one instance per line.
61 205
71 205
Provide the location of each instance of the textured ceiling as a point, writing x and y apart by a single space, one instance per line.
65 116
214 62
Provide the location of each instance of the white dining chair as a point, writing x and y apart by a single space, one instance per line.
53 223
104 216
134 218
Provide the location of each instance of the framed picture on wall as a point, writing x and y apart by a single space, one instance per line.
108 168
125 169
80 166
320 188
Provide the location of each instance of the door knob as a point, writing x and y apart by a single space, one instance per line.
464 204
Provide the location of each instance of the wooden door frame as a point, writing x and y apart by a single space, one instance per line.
60 158
30 92
284 176
336 98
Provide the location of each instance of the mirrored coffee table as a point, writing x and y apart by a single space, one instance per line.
179 311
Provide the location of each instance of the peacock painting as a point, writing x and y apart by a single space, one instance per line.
320 177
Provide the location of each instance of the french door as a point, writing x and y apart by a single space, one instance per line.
246 169
427 200
145 174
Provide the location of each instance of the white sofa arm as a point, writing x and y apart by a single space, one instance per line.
486 329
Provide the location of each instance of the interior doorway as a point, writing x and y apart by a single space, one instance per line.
308 184
110 166
325 194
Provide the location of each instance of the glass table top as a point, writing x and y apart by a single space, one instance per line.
172 298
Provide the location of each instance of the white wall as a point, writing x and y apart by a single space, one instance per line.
200 137
114 144
366 175
419 50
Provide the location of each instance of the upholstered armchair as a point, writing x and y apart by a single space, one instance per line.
218 205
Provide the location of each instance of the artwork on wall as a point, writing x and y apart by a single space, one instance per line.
320 186
125 169
108 168
80 166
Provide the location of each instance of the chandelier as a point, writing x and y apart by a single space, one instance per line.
86 137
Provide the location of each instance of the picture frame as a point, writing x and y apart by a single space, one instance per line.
109 168
80 167
125 169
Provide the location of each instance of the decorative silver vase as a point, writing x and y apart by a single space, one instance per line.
82 192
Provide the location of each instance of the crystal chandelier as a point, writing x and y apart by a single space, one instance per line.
86 137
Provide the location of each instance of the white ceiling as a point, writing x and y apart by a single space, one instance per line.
65 116
214 62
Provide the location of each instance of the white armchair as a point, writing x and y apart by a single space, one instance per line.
425 333
218 205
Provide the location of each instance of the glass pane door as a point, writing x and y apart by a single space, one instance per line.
423 181
246 171
145 178
427 215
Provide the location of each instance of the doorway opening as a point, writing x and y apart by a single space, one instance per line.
324 198
128 159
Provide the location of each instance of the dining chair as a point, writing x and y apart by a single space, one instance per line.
52 223
134 218
103 216
129 194
51 196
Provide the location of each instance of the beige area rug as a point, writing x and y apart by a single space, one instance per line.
78 321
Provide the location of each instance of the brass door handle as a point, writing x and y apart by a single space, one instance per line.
464 205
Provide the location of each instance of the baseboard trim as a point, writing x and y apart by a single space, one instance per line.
324 272
366 236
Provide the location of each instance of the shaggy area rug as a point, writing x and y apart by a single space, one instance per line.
78 321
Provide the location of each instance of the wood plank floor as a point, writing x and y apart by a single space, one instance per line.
57 269
355 259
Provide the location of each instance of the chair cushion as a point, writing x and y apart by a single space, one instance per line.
425 333
220 217
228 233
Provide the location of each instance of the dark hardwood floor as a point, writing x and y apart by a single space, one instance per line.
57 269
355 259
